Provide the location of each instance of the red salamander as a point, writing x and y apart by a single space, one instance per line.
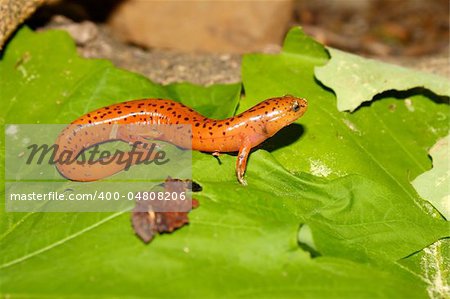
236 134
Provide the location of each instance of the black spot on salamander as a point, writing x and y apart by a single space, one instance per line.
127 106
109 112
186 118
219 125
240 115
161 107
106 108
197 124
95 117
214 124
90 121
119 112
179 116
191 110
223 133
227 123
210 133
209 128
172 104
204 125
125 118
170 108
265 112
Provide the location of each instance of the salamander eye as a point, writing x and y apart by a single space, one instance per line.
295 106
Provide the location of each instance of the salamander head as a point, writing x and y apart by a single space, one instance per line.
287 110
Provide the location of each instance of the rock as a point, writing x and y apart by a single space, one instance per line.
212 26
13 13
161 66
82 33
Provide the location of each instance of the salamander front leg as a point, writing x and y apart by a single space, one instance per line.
241 163
217 156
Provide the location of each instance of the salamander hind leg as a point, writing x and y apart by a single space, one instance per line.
241 163
137 138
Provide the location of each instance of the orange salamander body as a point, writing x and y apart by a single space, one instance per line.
236 134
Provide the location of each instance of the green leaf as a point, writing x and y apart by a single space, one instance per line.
434 185
355 79
60 87
298 43
377 141
431 264
241 241
386 141
231 248
350 217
